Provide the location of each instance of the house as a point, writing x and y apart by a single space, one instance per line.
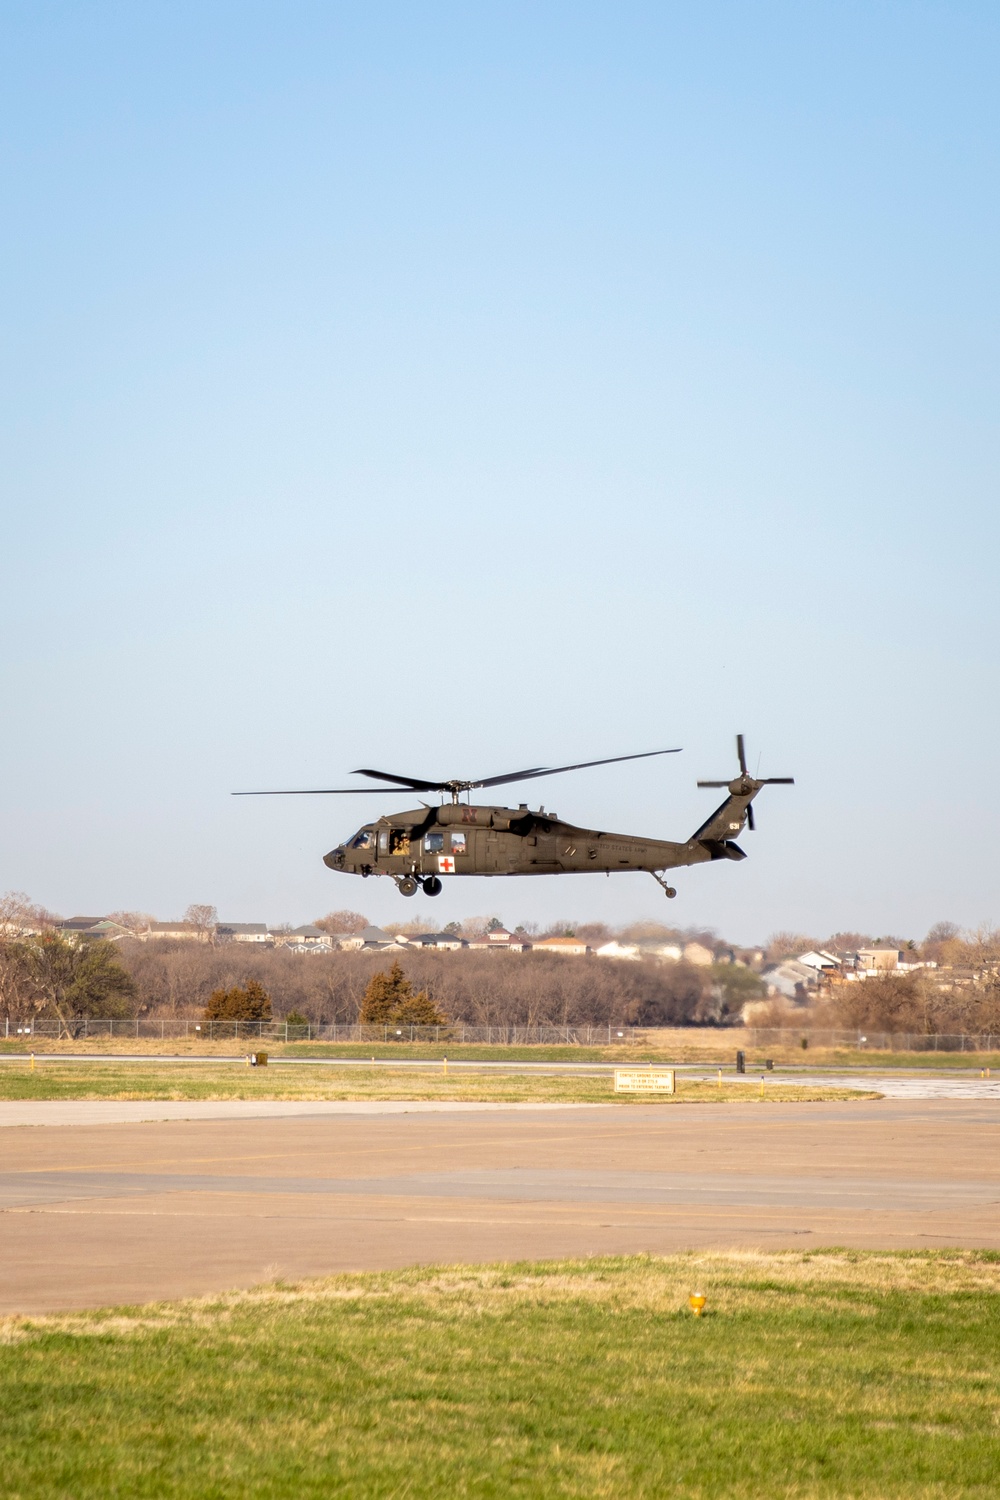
568 945
871 961
446 940
699 955
791 978
654 948
300 938
376 939
883 959
615 949
310 936
820 959
244 932
179 931
502 941
348 941
305 939
94 927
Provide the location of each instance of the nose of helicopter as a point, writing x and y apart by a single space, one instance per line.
335 859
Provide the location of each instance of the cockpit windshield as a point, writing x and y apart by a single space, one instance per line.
363 840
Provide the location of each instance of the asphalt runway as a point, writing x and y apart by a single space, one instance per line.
100 1214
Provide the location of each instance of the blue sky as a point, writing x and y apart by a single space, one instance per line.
456 387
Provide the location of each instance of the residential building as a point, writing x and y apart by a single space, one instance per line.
178 931
654 948
502 941
449 941
791 978
878 958
244 932
310 936
698 954
572 946
821 960
377 939
94 927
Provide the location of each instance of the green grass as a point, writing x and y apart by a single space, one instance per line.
868 1376
724 1051
146 1080
862 1057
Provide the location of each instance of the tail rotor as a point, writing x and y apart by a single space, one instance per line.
745 785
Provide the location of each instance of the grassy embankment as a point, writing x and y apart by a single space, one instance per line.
811 1375
706 1047
144 1080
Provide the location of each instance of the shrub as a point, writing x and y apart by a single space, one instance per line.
251 1003
389 1000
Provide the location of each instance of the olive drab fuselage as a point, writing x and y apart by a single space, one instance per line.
462 839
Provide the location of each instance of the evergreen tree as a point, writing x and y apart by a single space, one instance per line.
389 1000
251 1003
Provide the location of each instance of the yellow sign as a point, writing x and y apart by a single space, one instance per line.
645 1081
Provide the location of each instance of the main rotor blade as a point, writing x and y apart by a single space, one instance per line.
740 754
413 782
712 783
750 820
582 765
328 791
510 776
777 780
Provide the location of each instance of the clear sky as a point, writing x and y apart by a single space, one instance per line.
454 387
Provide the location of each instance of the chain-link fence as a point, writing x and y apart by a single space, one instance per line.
717 1038
281 1031
871 1041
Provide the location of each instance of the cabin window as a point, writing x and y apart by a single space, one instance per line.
458 843
383 841
433 842
399 841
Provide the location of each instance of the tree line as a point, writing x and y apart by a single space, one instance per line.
52 976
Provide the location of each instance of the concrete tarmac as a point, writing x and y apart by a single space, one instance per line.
99 1214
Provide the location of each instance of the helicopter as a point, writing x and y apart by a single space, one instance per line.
415 849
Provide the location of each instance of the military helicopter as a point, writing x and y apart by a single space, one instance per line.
461 838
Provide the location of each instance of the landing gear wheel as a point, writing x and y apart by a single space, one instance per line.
407 886
670 892
432 886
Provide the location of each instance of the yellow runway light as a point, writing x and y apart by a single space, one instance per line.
697 1301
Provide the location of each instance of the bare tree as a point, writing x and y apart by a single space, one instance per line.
943 932
20 916
203 919
135 922
349 922
787 944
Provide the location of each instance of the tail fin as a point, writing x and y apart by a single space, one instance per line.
716 835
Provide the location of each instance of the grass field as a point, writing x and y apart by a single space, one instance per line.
146 1080
814 1375
708 1048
